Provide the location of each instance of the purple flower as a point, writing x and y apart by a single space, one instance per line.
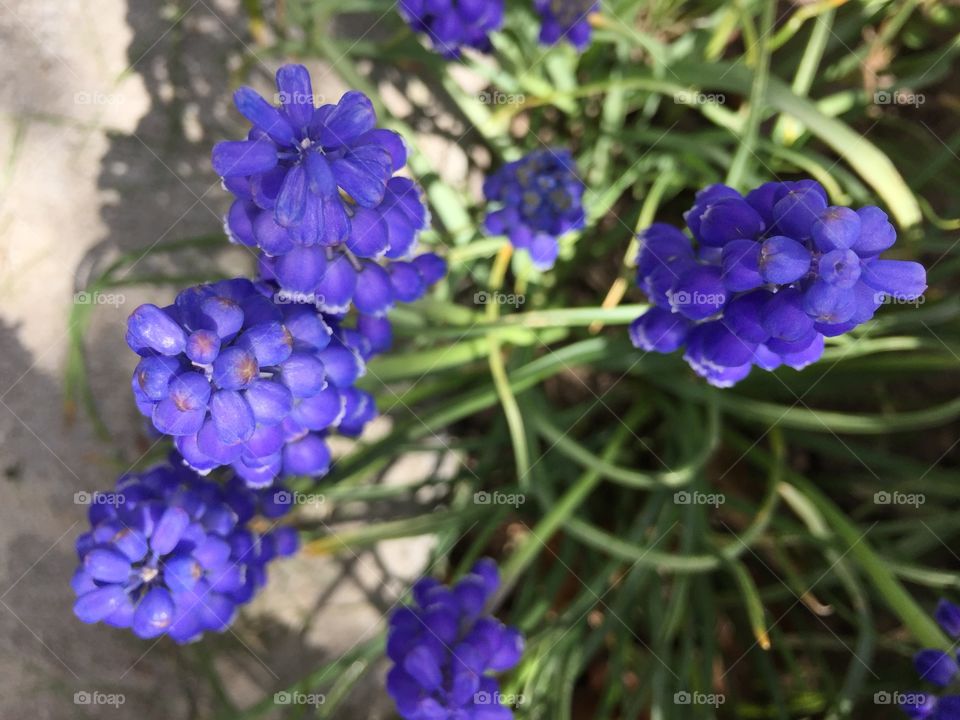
566 20
765 278
239 376
540 198
453 25
299 158
938 668
445 646
171 553
316 192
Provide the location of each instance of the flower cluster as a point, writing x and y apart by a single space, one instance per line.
940 669
770 275
171 553
238 377
541 198
316 192
444 646
566 20
453 25
255 374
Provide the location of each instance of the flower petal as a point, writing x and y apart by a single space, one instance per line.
232 416
169 529
264 116
350 118
374 294
154 614
292 200
269 400
307 456
296 94
369 234
97 604
243 157
363 174
149 327
901 279
107 565
936 666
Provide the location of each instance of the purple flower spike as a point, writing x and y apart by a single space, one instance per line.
765 279
452 25
445 649
261 380
169 553
540 198
938 668
566 20
317 193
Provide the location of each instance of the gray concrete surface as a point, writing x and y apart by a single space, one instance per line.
108 110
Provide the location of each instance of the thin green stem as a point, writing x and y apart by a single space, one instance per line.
747 149
498 370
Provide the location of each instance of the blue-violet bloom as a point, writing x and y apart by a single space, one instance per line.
453 25
238 376
444 648
316 192
937 668
170 553
566 20
765 278
540 198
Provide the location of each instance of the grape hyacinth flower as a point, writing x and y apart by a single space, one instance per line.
238 377
541 198
316 193
766 278
444 647
171 553
566 20
453 25
939 668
